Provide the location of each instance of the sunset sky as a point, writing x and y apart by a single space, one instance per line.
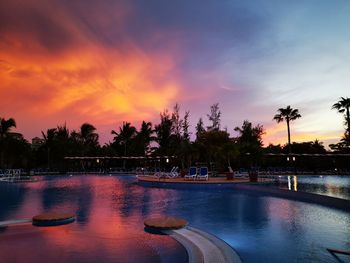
105 62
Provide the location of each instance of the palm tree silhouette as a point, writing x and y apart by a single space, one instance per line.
49 138
343 105
88 134
288 114
5 126
145 135
126 133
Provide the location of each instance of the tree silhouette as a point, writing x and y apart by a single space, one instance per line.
287 114
250 142
89 138
214 117
49 143
185 125
176 121
343 106
199 129
144 138
5 126
125 134
164 132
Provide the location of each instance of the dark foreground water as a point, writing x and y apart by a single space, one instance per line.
110 213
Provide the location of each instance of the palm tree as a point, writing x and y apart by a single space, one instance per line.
145 136
288 114
88 138
6 125
343 105
164 133
88 134
249 142
49 138
126 133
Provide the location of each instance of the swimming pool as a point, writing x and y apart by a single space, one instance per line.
110 213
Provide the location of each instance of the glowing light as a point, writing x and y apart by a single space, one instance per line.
295 183
289 183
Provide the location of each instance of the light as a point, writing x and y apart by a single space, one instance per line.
295 181
293 158
289 183
287 159
167 160
97 160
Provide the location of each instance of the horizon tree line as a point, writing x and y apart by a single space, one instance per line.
170 137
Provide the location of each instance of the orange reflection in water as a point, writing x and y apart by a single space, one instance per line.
109 225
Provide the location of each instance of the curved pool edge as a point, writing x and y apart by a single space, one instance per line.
204 247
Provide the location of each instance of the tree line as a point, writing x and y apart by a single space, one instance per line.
170 137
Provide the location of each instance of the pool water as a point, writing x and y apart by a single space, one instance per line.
108 228
330 185
110 213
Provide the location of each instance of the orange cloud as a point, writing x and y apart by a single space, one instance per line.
58 67
97 84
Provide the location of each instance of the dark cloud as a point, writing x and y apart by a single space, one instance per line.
200 25
30 22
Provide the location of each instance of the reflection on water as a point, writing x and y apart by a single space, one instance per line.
335 186
109 225
110 213
295 183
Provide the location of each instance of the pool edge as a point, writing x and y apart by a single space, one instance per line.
204 247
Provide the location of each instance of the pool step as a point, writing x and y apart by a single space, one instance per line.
204 247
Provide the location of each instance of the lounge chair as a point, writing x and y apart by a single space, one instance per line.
173 173
203 174
192 173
